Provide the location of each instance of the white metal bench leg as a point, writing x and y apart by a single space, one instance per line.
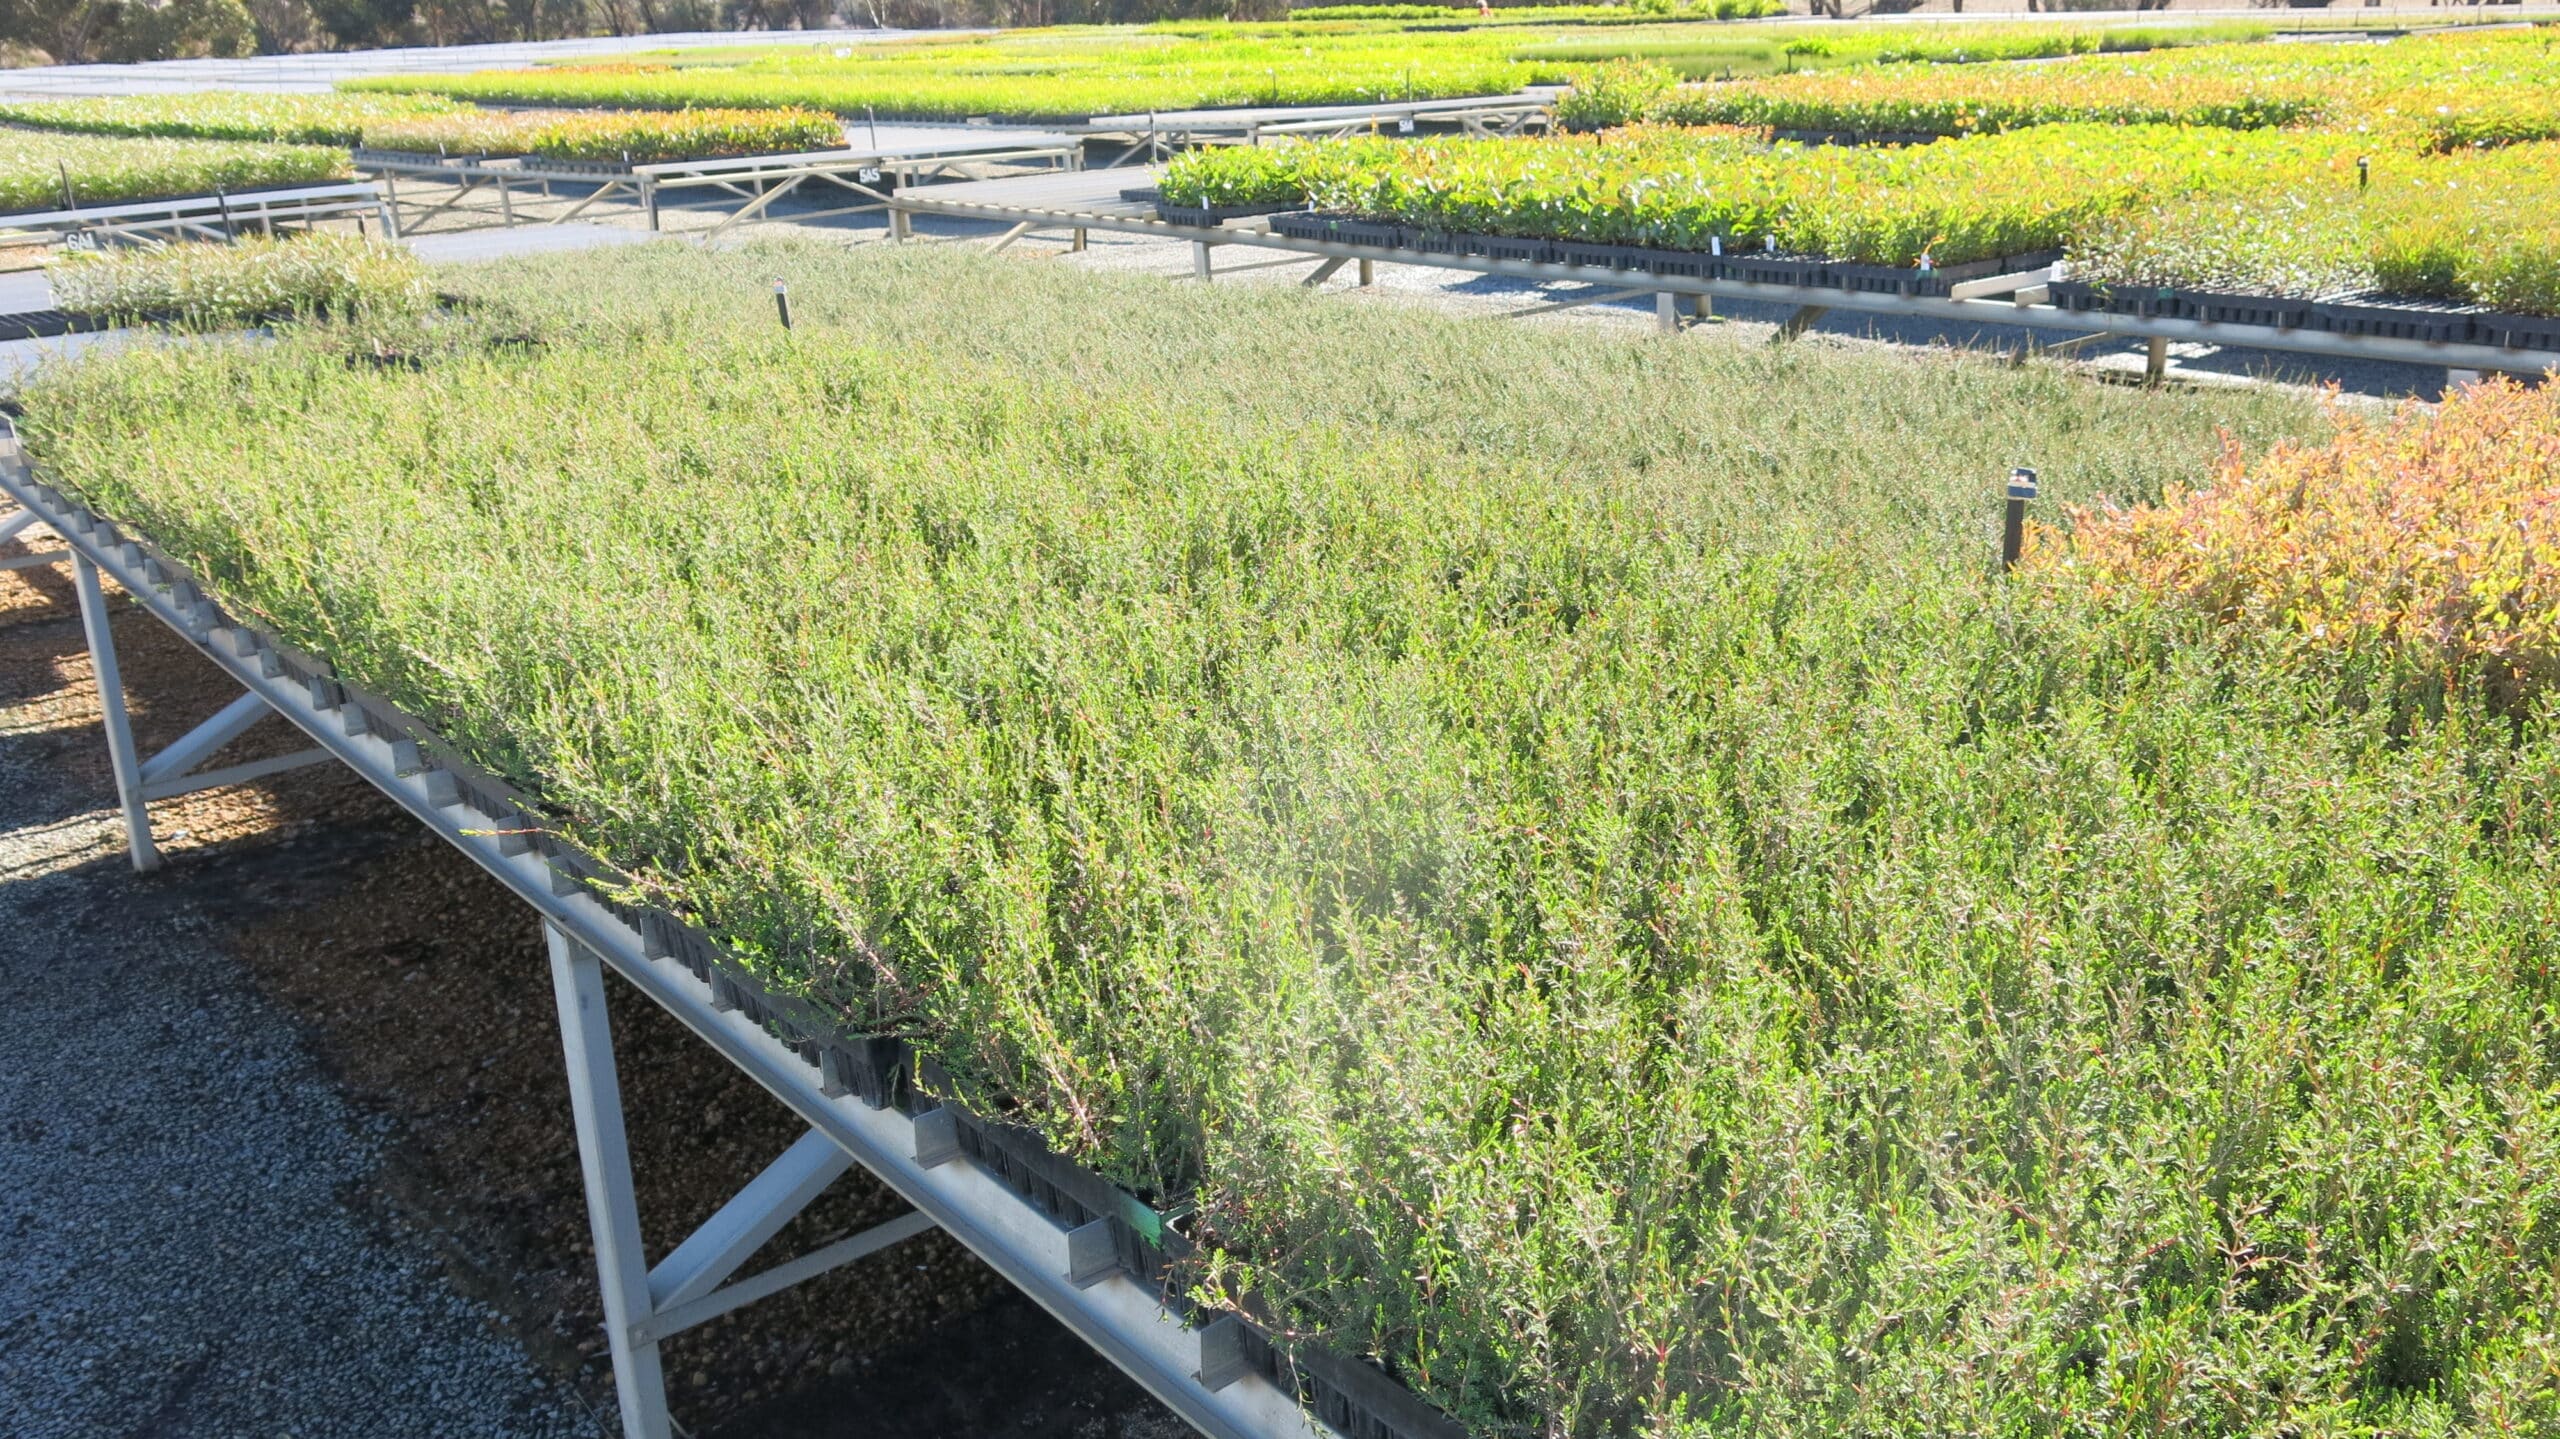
622 1266
119 727
643 1306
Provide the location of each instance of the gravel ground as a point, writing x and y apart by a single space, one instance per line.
176 1253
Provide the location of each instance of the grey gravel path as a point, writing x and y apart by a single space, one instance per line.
177 1253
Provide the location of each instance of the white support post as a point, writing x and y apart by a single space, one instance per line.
2155 360
1368 273
1200 261
1666 312
120 751
622 1266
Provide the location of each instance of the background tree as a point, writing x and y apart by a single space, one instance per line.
77 31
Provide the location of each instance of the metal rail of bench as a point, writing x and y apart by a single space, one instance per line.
867 176
1208 1373
469 175
1146 139
860 177
1482 121
207 217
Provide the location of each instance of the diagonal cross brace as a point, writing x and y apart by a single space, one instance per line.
227 724
758 207
678 1318
94 625
752 1216
1799 322
170 773
14 528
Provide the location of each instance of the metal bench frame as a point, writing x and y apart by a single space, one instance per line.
207 217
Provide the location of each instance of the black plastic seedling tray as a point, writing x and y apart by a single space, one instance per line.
2431 321
1339 230
1201 216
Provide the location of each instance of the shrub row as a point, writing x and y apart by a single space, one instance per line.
2432 540
2444 90
1949 100
1637 12
335 119
1057 74
2472 227
639 136
1074 72
250 281
1698 53
1686 189
2258 212
37 169
434 123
